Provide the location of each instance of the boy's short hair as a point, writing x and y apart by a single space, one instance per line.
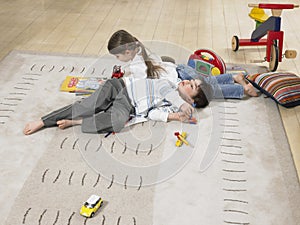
204 95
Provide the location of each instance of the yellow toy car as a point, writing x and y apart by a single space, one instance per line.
91 206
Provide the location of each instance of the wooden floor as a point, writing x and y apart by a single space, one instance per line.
84 26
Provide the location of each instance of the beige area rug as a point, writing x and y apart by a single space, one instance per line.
237 169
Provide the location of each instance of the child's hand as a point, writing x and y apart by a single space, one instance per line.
182 117
187 109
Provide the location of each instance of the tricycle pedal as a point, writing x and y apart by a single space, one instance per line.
290 54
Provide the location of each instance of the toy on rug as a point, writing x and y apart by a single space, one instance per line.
117 72
207 62
269 26
181 138
91 206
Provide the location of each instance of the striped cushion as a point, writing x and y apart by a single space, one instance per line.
284 88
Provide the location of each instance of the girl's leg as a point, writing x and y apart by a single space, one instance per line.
32 127
100 100
217 90
226 78
216 83
111 120
186 72
62 118
234 91
62 124
224 86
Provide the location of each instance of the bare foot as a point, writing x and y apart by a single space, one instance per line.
250 90
239 78
32 127
62 124
248 87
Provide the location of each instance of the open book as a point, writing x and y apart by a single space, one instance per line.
82 85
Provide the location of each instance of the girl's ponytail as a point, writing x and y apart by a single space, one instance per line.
152 70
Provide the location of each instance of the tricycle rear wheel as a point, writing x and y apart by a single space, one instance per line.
274 60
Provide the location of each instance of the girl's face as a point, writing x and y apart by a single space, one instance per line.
189 89
126 56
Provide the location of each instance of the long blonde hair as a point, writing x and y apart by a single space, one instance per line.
121 41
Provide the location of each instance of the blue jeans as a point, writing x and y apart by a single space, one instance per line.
223 85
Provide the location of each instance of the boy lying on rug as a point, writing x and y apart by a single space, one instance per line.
109 108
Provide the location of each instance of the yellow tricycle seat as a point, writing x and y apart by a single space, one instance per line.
258 15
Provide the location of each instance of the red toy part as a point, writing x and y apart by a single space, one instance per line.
73 82
216 60
275 6
117 72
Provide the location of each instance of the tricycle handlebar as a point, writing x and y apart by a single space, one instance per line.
273 6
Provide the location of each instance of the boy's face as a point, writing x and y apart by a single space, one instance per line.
189 89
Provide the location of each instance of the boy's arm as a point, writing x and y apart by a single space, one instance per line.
182 117
174 117
165 114
185 109
158 114
162 114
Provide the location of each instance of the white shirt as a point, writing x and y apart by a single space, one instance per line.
137 68
149 96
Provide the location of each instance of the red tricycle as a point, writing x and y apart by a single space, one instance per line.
269 26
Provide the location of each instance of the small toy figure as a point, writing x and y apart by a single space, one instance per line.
91 206
181 139
117 72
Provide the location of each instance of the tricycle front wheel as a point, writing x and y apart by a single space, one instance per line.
235 43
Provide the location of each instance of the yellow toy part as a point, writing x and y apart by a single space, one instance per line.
181 139
215 71
178 143
258 15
